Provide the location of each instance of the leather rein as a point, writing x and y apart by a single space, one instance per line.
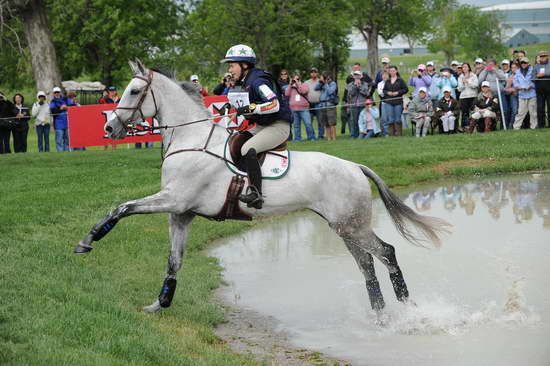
131 126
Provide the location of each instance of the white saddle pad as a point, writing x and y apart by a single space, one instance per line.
275 166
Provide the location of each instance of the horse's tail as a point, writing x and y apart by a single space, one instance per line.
402 215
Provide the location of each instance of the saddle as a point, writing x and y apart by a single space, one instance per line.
236 142
274 163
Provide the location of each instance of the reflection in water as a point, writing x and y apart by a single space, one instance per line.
525 197
481 299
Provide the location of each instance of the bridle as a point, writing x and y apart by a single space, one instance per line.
127 125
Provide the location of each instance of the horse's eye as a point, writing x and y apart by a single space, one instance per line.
135 91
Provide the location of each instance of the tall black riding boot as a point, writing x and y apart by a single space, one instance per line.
253 196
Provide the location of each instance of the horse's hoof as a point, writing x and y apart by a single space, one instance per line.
153 308
82 248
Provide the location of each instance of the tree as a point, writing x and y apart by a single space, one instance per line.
465 30
102 35
383 18
38 38
283 33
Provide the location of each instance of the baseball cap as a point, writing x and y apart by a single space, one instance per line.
421 67
430 63
313 69
385 60
479 60
194 77
543 53
486 83
447 89
56 89
111 88
357 72
40 94
423 89
455 63
368 101
505 62
524 59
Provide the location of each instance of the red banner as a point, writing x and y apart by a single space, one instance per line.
86 124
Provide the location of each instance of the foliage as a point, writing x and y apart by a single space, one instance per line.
467 31
16 71
282 33
103 35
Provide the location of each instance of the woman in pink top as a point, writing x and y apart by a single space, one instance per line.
297 94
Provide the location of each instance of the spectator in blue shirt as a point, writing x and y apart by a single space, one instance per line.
58 106
525 86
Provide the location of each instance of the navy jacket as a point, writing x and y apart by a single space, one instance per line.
251 83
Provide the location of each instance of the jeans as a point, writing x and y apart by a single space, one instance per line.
514 106
506 119
392 114
369 134
43 133
298 116
354 121
317 114
62 139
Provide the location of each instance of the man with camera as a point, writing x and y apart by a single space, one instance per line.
41 112
224 86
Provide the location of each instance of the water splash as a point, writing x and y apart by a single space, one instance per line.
435 315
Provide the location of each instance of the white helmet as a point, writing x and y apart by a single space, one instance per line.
240 53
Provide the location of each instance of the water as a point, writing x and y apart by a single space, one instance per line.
482 299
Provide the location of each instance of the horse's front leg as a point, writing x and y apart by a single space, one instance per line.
160 202
179 230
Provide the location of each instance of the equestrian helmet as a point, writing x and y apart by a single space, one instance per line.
240 53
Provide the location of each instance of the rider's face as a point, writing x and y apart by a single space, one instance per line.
235 70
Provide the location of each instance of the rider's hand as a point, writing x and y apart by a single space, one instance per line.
247 109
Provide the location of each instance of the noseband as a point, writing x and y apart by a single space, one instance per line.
128 124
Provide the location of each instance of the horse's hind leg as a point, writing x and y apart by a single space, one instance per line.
366 265
160 202
387 256
179 230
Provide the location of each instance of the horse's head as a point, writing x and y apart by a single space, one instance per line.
137 103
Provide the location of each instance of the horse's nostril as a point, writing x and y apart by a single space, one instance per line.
109 129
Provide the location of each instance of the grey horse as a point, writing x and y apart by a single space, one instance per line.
195 181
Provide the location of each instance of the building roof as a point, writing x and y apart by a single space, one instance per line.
532 5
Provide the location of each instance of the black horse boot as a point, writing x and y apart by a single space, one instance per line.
253 196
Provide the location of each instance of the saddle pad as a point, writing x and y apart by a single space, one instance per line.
275 166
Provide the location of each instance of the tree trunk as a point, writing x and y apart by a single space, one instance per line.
43 57
411 43
371 37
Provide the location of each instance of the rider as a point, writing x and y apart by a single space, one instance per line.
261 100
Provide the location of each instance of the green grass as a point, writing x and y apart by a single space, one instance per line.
60 309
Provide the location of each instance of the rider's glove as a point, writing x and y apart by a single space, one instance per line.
247 109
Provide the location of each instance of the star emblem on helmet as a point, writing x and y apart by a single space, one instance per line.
242 51
230 52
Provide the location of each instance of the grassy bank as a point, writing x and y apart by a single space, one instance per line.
57 308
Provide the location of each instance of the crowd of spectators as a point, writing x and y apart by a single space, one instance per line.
455 98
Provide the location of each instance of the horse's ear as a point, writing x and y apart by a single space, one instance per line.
140 66
134 67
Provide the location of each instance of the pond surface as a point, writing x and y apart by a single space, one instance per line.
482 299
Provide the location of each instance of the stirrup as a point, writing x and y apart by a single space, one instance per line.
252 198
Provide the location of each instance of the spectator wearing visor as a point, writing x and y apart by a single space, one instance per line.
202 90
447 110
420 79
41 112
541 74
258 97
385 66
454 68
479 66
525 86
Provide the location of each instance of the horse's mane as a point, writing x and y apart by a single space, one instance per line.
187 87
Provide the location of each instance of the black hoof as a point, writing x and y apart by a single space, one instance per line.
82 248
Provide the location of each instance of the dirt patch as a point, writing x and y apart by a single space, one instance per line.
444 167
250 333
